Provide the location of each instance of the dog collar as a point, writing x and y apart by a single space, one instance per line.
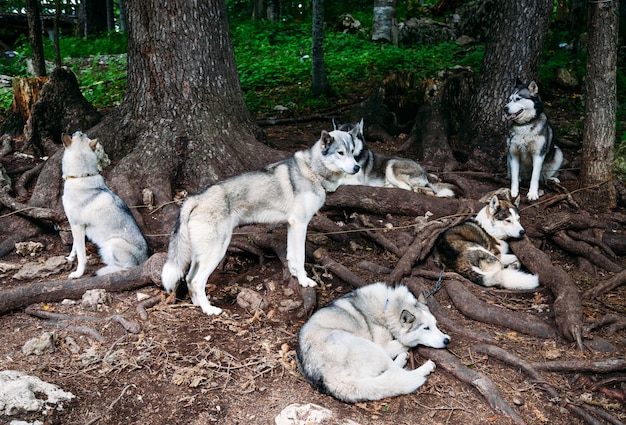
78 177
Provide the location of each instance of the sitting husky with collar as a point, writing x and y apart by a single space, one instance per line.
477 249
97 213
355 348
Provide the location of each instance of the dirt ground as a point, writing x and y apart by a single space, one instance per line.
184 367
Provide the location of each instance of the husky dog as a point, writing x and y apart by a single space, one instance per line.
390 171
94 211
355 348
533 153
289 191
477 249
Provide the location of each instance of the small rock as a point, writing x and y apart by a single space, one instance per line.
37 346
24 393
251 300
95 299
28 249
53 265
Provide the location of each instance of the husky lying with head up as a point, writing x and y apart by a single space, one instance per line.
95 212
355 348
391 171
290 191
477 249
533 153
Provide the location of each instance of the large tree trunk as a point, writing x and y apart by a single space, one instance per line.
34 37
384 25
319 84
513 50
183 123
600 104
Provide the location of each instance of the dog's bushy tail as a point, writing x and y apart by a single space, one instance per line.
511 279
179 250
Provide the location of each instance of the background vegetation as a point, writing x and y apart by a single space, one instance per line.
275 66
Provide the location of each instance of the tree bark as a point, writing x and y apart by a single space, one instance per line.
384 25
319 83
22 296
513 50
600 107
184 122
35 38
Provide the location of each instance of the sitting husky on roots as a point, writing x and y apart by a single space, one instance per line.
94 211
391 171
355 348
477 249
533 153
289 191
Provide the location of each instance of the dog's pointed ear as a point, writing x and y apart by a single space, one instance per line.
421 298
406 318
93 143
533 88
493 204
325 140
516 201
334 124
66 139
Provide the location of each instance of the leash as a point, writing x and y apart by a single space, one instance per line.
437 287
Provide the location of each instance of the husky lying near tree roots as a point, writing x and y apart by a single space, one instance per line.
391 171
94 211
477 249
289 191
355 348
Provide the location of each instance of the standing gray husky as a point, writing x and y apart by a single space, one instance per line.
289 191
97 213
391 171
355 348
477 249
533 153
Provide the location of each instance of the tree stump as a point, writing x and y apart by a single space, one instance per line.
25 94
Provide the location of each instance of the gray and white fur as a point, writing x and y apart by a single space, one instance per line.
533 154
95 212
356 347
290 191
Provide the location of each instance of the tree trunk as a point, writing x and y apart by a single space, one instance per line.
384 25
319 84
183 123
34 37
513 50
600 107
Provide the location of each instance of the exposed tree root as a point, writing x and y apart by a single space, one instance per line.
603 366
21 296
445 360
443 321
130 325
528 369
33 212
584 250
567 307
606 286
474 308
342 272
613 322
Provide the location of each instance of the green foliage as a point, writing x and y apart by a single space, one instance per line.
275 66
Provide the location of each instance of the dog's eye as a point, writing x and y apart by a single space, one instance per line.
341 153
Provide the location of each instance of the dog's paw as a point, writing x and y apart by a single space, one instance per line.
75 275
533 195
211 310
307 282
428 367
401 359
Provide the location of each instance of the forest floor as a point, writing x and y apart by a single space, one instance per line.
184 367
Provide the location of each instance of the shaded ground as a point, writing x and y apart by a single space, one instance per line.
239 368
